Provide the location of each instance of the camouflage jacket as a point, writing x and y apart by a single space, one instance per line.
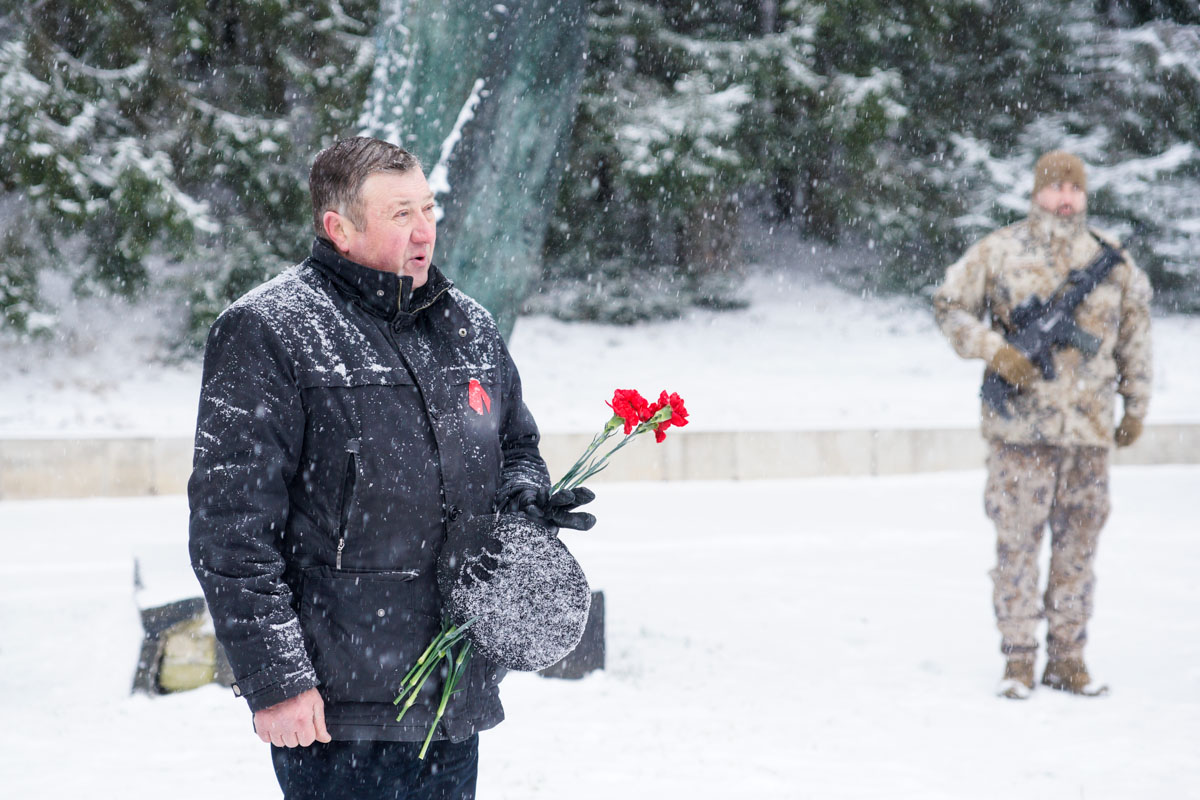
1031 257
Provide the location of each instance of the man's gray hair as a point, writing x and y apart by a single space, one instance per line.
339 171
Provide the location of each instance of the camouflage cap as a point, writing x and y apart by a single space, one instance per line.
1058 166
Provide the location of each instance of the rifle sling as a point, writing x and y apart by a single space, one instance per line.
1102 266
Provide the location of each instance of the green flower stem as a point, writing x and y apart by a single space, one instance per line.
597 440
414 691
440 647
603 462
416 668
441 709
581 470
420 671
456 671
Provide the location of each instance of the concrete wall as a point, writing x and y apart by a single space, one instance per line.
131 466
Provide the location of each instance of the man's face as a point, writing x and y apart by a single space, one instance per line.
1064 199
397 229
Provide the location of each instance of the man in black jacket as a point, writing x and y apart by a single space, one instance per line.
353 410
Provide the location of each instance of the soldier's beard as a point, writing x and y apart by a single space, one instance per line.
1056 225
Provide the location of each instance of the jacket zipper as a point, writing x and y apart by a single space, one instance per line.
352 448
429 301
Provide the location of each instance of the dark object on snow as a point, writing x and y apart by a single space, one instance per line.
526 592
588 655
1039 327
177 622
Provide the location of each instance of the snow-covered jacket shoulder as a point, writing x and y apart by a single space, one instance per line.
344 425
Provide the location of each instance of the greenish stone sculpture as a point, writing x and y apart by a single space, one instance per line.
484 93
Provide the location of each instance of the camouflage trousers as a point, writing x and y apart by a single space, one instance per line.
1029 486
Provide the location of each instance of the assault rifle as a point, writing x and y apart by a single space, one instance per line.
1039 327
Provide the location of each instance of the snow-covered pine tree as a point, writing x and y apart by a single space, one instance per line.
133 130
78 167
1125 99
1145 98
968 77
655 160
912 126
842 111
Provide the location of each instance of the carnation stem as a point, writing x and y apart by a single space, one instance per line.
420 670
597 440
456 668
440 710
440 647
580 472
416 668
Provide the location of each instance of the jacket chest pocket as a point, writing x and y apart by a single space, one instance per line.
363 437
364 630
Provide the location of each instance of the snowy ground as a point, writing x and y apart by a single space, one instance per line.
816 356
826 638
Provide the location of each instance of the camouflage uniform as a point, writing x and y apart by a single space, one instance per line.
1048 461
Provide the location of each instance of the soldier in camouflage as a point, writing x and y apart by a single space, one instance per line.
1048 459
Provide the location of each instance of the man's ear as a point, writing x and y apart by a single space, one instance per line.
338 230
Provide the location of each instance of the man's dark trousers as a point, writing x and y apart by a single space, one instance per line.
378 771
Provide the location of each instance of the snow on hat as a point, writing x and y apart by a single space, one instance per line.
1058 166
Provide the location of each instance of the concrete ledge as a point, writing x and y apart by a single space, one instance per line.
125 466
133 466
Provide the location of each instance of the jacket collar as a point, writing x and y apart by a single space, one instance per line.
384 294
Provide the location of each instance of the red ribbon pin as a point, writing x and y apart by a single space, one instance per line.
477 398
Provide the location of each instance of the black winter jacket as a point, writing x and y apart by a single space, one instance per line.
340 433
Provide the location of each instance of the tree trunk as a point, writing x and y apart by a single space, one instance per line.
708 240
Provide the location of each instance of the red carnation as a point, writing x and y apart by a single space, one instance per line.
631 407
677 418
638 416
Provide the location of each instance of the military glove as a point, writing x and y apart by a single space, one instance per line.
1012 365
1128 431
557 510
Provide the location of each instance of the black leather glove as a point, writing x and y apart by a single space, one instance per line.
515 494
556 510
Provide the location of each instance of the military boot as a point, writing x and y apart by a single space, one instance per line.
1017 682
1071 675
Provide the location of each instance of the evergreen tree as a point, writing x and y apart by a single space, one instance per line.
1127 101
972 77
134 130
1145 111
912 126
649 199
